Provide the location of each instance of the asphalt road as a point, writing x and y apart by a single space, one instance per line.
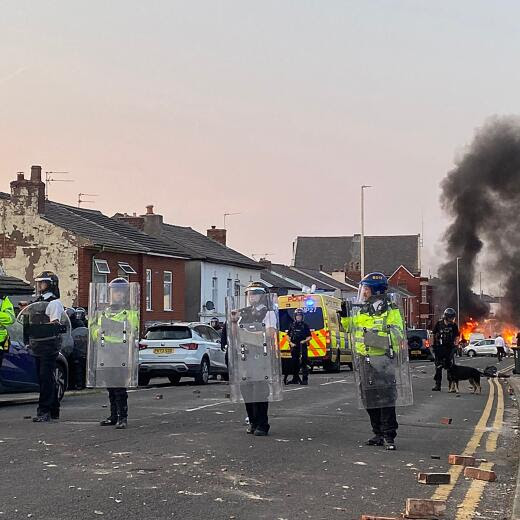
187 455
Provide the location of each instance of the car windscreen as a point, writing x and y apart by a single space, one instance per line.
417 333
313 317
168 332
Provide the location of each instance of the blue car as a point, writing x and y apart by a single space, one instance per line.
18 372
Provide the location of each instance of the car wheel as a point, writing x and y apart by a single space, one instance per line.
174 380
203 376
60 375
143 380
471 353
225 376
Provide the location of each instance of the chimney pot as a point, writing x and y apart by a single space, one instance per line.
20 176
213 227
36 173
218 235
149 209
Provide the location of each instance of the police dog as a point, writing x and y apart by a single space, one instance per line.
458 373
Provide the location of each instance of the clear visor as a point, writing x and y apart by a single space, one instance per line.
254 296
42 285
364 294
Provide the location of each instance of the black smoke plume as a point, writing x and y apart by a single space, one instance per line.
482 194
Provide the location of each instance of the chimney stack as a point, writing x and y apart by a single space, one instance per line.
29 194
149 209
36 174
218 235
152 222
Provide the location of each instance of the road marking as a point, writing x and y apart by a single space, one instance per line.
334 382
444 491
476 489
206 406
295 389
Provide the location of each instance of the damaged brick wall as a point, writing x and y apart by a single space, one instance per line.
29 245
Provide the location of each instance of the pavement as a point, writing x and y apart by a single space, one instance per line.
186 455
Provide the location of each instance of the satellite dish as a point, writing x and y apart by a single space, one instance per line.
209 305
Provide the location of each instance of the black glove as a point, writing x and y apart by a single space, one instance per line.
344 310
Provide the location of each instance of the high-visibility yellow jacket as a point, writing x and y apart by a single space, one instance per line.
387 323
7 318
132 317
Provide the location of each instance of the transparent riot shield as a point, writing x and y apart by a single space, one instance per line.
255 372
42 336
112 354
380 354
80 339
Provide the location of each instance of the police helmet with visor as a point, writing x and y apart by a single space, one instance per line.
47 282
449 314
254 292
372 284
118 292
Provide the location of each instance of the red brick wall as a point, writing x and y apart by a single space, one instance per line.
140 263
402 278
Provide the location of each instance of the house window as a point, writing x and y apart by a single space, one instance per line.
424 294
148 289
229 287
214 291
237 292
126 268
100 270
168 290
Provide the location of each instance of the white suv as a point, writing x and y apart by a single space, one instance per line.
181 350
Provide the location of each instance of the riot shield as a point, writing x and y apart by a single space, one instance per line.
112 354
39 334
380 354
80 339
255 371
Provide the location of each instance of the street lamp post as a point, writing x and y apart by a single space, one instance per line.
458 293
362 241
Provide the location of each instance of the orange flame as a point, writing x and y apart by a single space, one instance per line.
468 328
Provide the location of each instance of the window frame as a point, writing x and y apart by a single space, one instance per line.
149 289
214 291
97 262
126 268
170 295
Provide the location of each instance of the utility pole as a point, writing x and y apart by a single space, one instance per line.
362 241
458 293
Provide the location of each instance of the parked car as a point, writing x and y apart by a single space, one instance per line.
18 372
419 344
483 347
181 350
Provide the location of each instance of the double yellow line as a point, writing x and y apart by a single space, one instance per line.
468 507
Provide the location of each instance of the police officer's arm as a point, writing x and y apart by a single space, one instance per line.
456 336
395 321
308 333
7 316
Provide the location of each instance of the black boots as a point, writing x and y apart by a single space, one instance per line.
377 440
436 388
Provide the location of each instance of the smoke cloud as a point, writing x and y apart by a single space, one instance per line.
482 195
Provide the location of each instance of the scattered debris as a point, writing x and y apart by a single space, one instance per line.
480 474
424 508
434 478
159 396
446 420
461 460
436 457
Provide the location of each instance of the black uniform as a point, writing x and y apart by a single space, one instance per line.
46 354
298 332
444 336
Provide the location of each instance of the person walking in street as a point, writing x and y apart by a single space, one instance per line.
43 326
7 318
114 329
501 347
299 335
445 336
377 332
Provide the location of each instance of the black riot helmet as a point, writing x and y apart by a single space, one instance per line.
81 313
449 314
47 282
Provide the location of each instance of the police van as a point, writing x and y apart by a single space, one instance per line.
329 346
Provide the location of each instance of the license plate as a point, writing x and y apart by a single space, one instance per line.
416 352
163 351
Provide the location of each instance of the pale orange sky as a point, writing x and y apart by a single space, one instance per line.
279 110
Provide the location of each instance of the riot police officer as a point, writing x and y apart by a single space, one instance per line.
113 332
254 356
445 336
7 318
299 335
377 331
215 324
45 343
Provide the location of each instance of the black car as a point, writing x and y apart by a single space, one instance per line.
419 344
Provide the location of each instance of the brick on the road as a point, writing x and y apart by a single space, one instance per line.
371 517
434 478
424 508
461 460
446 420
480 474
